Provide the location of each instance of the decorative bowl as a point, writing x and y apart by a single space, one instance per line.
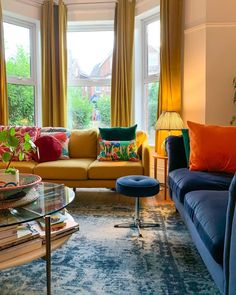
26 183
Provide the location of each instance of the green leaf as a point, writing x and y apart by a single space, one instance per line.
21 156
12 131
3 135
27 137
11 171
27 146
12 141
6 157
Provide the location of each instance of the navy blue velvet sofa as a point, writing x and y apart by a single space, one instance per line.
206 201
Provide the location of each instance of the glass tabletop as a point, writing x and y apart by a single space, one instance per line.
52 197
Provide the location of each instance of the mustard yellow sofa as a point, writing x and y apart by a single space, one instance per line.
83 169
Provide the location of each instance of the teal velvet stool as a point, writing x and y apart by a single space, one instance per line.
137 186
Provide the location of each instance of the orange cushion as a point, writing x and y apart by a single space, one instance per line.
212 148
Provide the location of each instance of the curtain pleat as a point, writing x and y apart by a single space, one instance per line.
122 65
54 63
170 87
3 77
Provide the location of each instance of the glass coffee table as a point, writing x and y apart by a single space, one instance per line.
50 198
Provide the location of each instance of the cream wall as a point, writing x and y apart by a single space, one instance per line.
78 10
209 61
22 8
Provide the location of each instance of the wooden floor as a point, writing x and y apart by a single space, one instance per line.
88 197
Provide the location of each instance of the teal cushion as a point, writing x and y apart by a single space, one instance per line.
118 151
118 133
185 134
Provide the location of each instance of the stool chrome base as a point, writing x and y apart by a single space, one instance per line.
137 223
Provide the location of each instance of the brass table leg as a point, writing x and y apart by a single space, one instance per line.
48 252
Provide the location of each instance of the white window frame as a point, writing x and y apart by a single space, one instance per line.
155 77
141 66
95 27
33 80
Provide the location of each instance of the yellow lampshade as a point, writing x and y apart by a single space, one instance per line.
169 121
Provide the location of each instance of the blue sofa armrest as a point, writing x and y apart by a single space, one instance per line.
176 153
230 243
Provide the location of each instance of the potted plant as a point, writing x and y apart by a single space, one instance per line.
12 145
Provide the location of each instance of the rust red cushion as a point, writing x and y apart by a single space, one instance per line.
212 148
49 149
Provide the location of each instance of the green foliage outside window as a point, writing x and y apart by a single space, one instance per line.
80 108
104 108
20 97
152 105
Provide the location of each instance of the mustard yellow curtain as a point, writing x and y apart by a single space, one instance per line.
3 78
54 63
169 97
122 73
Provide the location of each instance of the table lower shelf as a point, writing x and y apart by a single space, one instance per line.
33 255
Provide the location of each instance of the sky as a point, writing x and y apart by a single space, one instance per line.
13 36
90 48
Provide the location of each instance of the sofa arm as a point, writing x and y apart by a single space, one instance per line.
146 155
176 152
230 243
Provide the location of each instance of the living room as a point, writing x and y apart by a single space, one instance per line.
65 70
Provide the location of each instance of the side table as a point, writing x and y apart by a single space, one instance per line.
165 159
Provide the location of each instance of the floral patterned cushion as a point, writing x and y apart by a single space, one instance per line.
118 150
34 133
63 138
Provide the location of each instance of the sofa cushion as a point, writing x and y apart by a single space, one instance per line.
118 133
71 169
63 139
114 170
83 143
207 210
182 181
118 150
48 149
20 132
212 148
23 167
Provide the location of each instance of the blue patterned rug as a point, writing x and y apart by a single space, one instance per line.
100 259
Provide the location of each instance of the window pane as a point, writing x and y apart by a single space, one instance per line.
89 106
17 50
90 55
151 92
21 104
153 38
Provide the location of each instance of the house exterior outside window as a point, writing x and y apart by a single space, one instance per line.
90 50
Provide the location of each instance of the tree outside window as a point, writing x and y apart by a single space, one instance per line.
20 71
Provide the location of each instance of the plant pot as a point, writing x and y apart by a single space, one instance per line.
8 179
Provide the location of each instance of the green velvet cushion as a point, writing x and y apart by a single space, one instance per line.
118 133
185 134
118 150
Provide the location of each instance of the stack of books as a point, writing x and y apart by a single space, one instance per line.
17 240
62 224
